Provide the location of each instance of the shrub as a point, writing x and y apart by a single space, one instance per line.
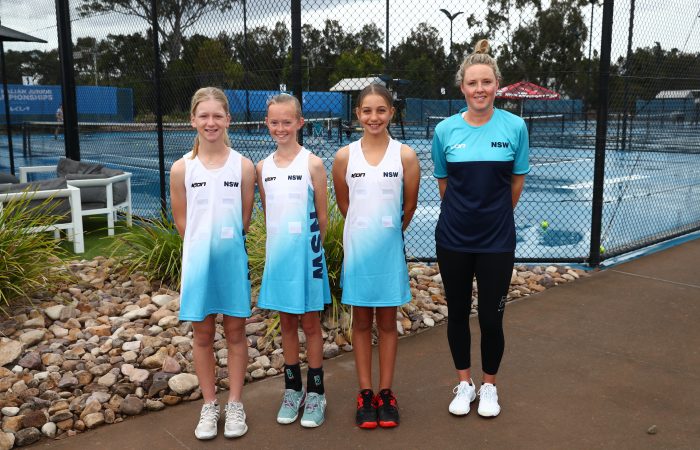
152 246
255 246
26 257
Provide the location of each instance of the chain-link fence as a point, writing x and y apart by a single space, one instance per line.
650 149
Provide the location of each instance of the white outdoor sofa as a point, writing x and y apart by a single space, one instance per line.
74 227
103 190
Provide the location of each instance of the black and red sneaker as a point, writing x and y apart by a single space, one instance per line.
366 416
387 409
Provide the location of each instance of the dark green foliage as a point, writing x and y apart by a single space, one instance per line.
153 247
27 259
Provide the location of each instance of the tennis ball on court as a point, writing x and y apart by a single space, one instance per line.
544 224
602 249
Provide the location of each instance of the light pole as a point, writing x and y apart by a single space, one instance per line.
245 59
386 50
451 17
590 67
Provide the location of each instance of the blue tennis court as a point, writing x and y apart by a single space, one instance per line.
651 187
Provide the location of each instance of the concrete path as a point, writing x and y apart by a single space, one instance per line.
592 364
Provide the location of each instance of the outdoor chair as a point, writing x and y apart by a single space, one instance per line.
65 202
102 190
7 179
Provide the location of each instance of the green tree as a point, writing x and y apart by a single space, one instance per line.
420 58
264 59
42 65
356 63
649 71
214 68
175 16
549 50
127 61
370 38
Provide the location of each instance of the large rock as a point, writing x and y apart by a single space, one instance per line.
254 327
141 313
32 337
170 365
156 361
160 382
168 322
132 346
9 351
12 424
51 359
183 383
10 411
7 441
100 330
162 299
107 380
94 420
91 407
139 375
27 436
31 360
154 405
67 382
131 406
49 430
330 350
61 417
36 322
54 312
34 419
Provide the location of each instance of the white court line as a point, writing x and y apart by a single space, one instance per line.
566 161
609 181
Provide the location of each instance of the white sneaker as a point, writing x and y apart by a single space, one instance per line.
488 401
464 395
208 421
235 420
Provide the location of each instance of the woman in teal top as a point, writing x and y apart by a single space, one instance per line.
481 158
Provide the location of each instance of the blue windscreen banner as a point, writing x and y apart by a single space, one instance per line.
674 107
571 108
316 104
95 103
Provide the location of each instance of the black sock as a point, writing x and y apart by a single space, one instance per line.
292 377
314 380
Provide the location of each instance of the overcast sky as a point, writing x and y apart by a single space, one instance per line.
673 23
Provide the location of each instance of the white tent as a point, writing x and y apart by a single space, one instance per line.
355 84
681 93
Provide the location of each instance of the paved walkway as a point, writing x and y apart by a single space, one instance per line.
592 364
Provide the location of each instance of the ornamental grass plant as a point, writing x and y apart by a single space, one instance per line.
28 260
151 246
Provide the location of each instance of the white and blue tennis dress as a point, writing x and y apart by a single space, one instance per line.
214 261
295 279
374 266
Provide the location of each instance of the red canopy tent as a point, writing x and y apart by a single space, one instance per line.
525 90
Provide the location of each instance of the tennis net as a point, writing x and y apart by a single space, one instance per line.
39 137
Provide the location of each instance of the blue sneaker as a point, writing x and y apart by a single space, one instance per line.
291 402
314 411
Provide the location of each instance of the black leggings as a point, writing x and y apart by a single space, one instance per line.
493 272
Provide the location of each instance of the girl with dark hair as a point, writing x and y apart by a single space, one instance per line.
376 184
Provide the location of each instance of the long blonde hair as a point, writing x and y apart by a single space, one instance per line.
479 56
204 94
